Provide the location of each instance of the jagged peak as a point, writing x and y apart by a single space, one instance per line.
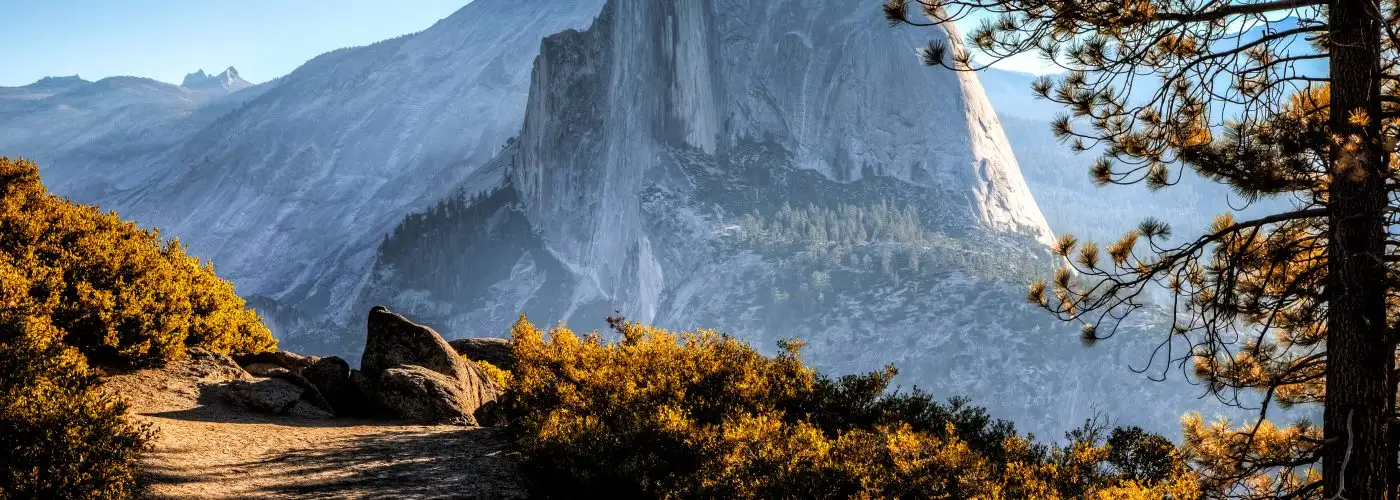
228 80
196 77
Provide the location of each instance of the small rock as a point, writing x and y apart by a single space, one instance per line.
332 377
498 352
272 396
289 360
212 366
264 369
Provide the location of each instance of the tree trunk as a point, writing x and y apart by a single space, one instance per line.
1360 356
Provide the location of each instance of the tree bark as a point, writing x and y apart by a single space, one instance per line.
1360 354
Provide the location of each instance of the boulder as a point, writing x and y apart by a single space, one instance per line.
272 396
309 392
208 365
392 340
499 352
365 387
426 396
289 360
331 376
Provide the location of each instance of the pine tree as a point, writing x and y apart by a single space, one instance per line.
1297 305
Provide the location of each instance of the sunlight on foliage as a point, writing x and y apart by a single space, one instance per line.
700 414
61 437
80 290
119 293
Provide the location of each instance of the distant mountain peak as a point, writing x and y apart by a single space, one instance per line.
57 81
228 80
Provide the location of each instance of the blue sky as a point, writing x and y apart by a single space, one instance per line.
165 39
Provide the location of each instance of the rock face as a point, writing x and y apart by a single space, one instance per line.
409 371
771 169
422 395
499 352
228 80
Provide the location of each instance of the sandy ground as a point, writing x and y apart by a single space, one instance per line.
205 449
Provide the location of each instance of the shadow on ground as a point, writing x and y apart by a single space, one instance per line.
213 407
398 463
471 463
337 457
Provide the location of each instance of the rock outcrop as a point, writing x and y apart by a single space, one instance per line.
408 371
499 352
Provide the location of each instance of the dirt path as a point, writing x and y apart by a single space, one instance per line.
207 450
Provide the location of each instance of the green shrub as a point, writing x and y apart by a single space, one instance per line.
703 415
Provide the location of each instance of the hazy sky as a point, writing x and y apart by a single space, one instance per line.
166 39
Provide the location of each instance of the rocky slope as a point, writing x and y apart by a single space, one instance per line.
287 186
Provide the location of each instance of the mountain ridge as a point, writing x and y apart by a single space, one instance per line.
633 158
879 227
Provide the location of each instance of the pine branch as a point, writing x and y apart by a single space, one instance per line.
1235 10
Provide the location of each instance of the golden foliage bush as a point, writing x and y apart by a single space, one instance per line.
703 415
81 289
118 293
60 437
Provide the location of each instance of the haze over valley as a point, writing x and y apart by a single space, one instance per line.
675 161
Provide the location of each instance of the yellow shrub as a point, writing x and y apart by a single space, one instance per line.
703 415
497 375
121 295
80 287
61 438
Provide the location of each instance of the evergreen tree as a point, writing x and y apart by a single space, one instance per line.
1297 305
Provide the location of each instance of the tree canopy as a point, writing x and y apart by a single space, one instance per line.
1290 101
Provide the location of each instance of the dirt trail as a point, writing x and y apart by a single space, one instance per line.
205 449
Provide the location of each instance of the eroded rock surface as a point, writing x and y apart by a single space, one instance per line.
409 371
